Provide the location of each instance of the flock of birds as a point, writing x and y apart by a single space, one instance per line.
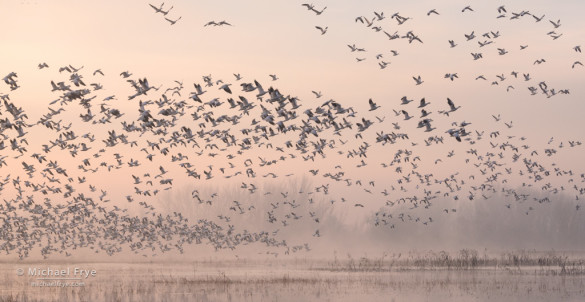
185 135
160 9
488 38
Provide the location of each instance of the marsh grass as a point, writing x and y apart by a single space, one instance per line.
414 276
521 261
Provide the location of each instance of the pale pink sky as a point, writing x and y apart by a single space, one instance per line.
279 37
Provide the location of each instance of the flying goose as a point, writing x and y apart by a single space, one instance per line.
467 8
157 9
423 103
555 24
538 19
451 76
380 16
373 106
323 30
172 21
405 100
318 12
452 105
432 11
418 80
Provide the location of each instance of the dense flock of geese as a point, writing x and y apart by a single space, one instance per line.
181 134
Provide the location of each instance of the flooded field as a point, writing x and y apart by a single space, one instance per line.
281 281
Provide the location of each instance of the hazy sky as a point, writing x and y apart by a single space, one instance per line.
279 37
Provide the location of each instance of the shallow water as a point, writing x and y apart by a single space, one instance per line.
283 282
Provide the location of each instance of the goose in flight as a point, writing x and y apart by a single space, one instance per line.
261 91
405 100
452 105
432 11
476 56
539 61
318 12
274 77
451 76
467 8
366 21
43 65
160 9
418 80
223 22
423 103
555 24
576 48
538 19
373 106
482 44
454 133
98 71
125 74
9 79
380 16
471 36
323 30
65 68
426 123
393 36
198 89
355 48
412 37
452 43
317 94
226 88
576 63
173 21
502 9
